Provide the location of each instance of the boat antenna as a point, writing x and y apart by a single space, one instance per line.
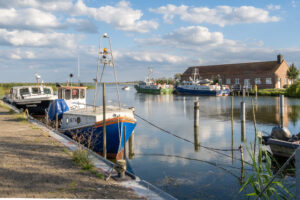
71 76
78 70
37 77
103 58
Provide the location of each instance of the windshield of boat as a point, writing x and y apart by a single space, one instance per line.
35 90
47 91
67 94
24 91
82 93
75 93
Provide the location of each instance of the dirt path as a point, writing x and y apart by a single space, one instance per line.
34 165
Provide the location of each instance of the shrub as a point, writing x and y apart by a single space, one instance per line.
294 90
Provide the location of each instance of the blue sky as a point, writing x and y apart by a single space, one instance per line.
47 36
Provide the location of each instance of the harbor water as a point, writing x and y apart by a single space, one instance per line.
187 171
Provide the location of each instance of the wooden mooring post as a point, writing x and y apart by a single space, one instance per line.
281 110
232 126
131 146
196 113
104 123
196 138
56 122
242 164
244 92
124 139
243 121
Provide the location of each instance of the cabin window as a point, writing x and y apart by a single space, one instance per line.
24 91
67 94
35 90
60 94
82 93
268 80
286 81
228 81
257 81
75 93
47 91
237 81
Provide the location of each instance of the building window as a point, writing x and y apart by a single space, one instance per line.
257 81
237 81
246 83
268 80
228 81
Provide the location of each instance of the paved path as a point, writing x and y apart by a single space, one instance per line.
34 165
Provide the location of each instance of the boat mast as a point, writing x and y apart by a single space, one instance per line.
78 70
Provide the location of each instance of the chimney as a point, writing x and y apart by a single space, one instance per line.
279 58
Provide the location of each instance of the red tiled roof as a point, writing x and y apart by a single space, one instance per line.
253 68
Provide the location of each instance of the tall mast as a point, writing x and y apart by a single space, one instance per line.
78 69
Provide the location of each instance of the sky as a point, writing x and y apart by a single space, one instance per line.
49 37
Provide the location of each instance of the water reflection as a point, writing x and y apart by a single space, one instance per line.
219 127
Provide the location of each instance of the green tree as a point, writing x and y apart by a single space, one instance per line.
292 73
177 76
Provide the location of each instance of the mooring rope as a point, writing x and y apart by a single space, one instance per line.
184 139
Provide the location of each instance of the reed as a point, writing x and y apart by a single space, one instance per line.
261 176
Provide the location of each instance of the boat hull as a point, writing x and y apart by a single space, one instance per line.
154 91
34 107
92 136
184 91
282 148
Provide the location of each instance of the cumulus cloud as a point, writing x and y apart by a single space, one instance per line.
221 15
49 5
82 25
29 18
36 39
122 16
188 38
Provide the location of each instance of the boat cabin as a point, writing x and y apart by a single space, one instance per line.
28 92
75 96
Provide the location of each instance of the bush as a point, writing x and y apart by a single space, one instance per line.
294 90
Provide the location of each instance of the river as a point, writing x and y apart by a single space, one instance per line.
177 166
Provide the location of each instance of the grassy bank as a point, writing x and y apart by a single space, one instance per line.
269 92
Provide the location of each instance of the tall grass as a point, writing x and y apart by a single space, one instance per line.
261 177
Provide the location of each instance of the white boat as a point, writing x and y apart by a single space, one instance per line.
201 87
34 98
74 96
126 88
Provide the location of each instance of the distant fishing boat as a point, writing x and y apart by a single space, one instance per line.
34 98
201 87
86 124
148 86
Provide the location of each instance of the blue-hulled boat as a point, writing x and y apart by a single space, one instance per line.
201 88
86 124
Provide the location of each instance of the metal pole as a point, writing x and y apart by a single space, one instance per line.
281 110
125 153
196 113
104 123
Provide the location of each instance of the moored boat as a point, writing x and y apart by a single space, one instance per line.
34 98
126 88
86 125
201 88
148 86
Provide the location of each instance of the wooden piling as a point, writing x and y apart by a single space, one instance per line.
104 123
47 118
281 110
242 164
196 138
232 131
244 92
243 121
254 122
124 139
131 146
196 113
56 122
255 88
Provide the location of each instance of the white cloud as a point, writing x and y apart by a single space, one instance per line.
122 16
36 39
190 37
49 5
221 15
273 7
29 18
82 25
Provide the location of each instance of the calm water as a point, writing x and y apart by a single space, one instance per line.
165 161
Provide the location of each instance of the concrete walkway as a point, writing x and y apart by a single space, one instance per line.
34 165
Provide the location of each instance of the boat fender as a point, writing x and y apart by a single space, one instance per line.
280 133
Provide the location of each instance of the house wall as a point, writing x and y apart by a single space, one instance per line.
280 72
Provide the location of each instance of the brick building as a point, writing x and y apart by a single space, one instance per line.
268 74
